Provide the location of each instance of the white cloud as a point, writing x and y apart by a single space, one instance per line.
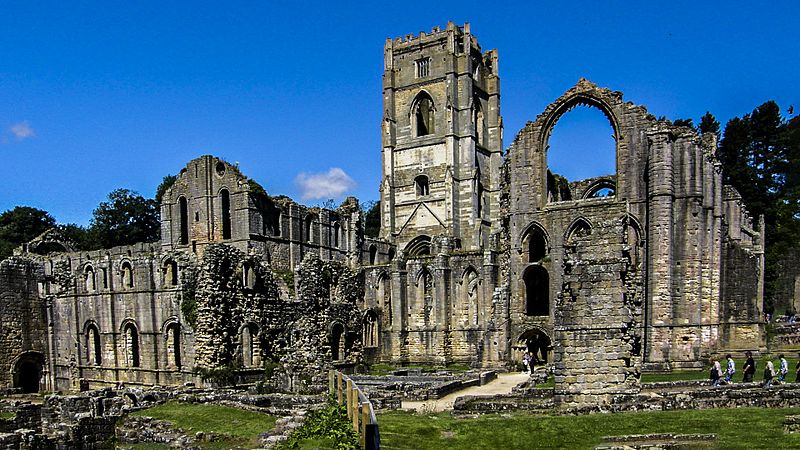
330 184
22 130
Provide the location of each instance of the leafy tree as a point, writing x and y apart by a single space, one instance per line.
166 183
372 218
77 235
126 218
759 154
20 225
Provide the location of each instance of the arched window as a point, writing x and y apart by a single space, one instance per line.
419 246
131 334
373 254
336 235
479 121
170 271
91 282
174 345
583 133
276 223
424 114
601 189
225 213
309 229
634 246
537 291
424 297
370 330
536 245
470 297
383 298
184 220
93 347
337 342
579 229
248 343
127 275
248 276
421 185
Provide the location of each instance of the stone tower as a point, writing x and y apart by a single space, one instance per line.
442 140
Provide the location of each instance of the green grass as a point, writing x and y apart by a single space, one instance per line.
684 375
239 427
7 415
743 428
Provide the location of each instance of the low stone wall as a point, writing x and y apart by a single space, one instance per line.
419 387
541 400
660 441
697 397
75 421
791 424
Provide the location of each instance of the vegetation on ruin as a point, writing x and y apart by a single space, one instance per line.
166 183
741 428
20 225
219 376
7 415
372 218
326 428
760 156
188 296
288 277
236 428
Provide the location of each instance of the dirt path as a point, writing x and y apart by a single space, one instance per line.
502 385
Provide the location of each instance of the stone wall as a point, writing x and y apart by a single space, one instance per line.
23 326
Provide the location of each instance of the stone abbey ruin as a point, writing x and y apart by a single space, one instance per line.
483 253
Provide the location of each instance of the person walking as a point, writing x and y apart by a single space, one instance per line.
730 370
716 372
769 374
749 368
783 369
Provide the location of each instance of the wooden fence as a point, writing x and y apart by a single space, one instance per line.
359 408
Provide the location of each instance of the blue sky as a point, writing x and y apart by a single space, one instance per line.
98 96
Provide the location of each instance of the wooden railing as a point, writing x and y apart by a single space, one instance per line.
359 408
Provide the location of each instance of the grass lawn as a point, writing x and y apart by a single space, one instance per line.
737 377
7 415
744 428
241 428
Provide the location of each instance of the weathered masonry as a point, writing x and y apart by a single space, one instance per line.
482 255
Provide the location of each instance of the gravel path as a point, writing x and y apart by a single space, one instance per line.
502 385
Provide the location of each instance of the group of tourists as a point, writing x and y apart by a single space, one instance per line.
771 376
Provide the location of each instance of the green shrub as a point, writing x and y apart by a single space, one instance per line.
329 425
218 376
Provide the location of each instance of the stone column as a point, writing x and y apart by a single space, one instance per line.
659 249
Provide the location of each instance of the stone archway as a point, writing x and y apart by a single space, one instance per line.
28 372
537 342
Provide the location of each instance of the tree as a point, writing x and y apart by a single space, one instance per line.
759 154
166 183
684 123
20 225
126 218
709 124
78 236
372 218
